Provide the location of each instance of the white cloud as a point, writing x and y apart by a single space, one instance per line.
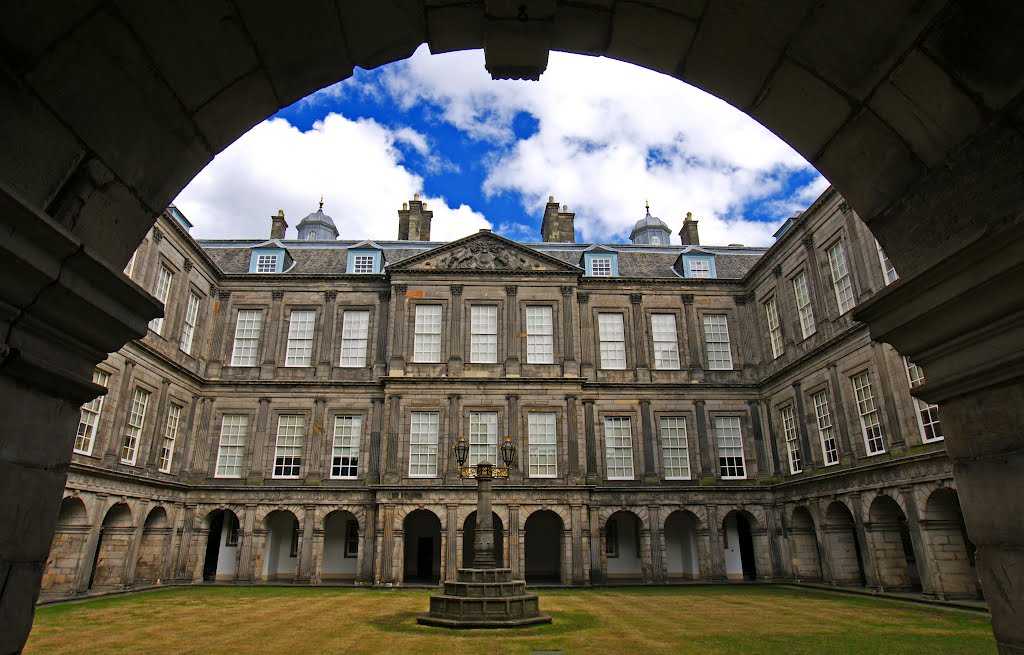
610 136
355 164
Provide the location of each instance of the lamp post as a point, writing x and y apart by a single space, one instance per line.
484 472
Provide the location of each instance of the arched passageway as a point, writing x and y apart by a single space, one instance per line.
543 547
738 542
422 547
66 552
341 547
952 552
220 560
469 533
154 547
804 546
283 543
891 547
682 557
844 547
622 547
115 540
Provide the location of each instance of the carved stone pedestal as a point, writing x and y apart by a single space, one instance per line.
484 598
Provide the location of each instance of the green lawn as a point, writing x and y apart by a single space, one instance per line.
705 620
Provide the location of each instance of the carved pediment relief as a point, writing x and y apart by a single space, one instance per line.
485 253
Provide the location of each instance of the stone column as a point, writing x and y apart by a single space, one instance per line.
199 466
578 548
367 550
188 528
245 545
446 454
92 542
373 470
380 361
152 438
839 421
572 471
317 559
187 437
772 443
655 539
570 366
649 451
272 332
597 575
512 361
643 365
396 365
588 418
391 473
863 543
218 352
775 536
815 286
806 455
518 470
451 554
693 337
317 444
113 447
256 450
514 543
886 399
754 411
328 320
586 336
132 557
926 568
456 356
303 569
707 449
715 547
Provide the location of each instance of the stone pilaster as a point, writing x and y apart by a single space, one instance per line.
806 455
446 453
368 554
518 470
649 450
570 365
245 545
707 449
396 364
456 356
588 419
643 366
328 320
200 461
303 569
693 338
764 469
380 361
572 448
586 335
218 350
317 445
272 332
512 361
259 466
391 471
373 469
816 287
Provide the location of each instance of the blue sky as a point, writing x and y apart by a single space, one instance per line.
599 135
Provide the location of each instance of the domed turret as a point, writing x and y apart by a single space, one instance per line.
318 226
650 230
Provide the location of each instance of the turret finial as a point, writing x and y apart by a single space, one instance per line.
321 202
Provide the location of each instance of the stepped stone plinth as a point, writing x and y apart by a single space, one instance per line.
484 598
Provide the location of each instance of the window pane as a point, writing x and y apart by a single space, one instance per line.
771 311
601 266
829 449
288 451
539 336
870 424
674 448
543 449
730 447
300 338
927 413
170 435
266 263
247 338
483 438
363 264
841 282
345 450
233 431
665 338
354 335
789 431
89 418
133 429
423 444
163 286
427 342
188 330
483 320
618 443
613 341
716 341
803 305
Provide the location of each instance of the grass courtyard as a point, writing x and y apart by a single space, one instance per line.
705 620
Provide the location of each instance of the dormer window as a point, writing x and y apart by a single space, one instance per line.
601 262
601 266
266 264
699 266
363 264
364 259
268 257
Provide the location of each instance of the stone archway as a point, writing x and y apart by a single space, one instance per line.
421 531
66 552
220 556
469 533
154 547
738 528
623 547
804 546
283 545
341 547
110 564
953 553
844 547
682 557
542 551
892 549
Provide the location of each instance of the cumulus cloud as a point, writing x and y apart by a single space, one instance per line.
610 136
356 164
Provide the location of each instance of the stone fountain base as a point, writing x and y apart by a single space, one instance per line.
484 598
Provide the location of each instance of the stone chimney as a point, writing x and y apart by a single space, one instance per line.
414 220
688 234
558 224
278 226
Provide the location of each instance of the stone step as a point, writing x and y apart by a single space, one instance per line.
485 589
460 608
485 575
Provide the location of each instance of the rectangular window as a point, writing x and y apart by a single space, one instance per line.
612 337
483 334
618 447
543 449
300 338
291 429
423 444
666 345
870 425
730 448
355 330
771 312
248 327
841 282
89 419
716 342
803 305
927 413
351 540
345 451
231 539
829 449
675 451
234 430
188 330
133 429
699 268
163 287
540 339
170 435
889 273
483 438
427 341
363 264
266 263
601 266
789 431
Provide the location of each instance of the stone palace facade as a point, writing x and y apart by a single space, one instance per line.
680 412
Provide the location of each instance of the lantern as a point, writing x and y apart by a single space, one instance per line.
461 451
508 452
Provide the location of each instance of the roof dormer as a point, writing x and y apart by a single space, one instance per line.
599 261
364 258
269 257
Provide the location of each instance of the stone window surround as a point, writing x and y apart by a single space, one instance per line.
681 336
804 267
149 421
731 322
839 235
273 422
816 456
468 302
105 420
692 443
171 304
339 324
772 296
750 467
174 396
635 428
846 374
197 335
466 409
282 336
627 331
555 304
783 445
444 456
228 345
332 411
410 329
213 437
561 445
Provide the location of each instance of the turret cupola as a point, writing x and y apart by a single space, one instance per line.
318 226
650 231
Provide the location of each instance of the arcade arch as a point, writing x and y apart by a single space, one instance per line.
681 551
421 531
112 549
543 547
341 547
738 528
220 559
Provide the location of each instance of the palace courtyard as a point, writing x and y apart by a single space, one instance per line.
693 619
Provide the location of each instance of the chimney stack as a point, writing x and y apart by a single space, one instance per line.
278 226
558 224
414 220
688 234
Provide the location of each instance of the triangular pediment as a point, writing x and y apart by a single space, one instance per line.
483 252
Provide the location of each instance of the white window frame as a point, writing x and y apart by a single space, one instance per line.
618 448
289 447
170 437
842 282
675 447
771 312
245 350
348 430
363 264
188 328
428 323
89 417
162 290
134 426
665 338
355 336
804 307
732 463
301 326
792 438
423 431
928 420
826 431
611 335
716 337
234 433
483 438
266 263
542 430
540 334
867 408
889 274
483 334
601 266
699 268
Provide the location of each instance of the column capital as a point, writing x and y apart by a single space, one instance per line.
454 396
687 298
456 289
158 235
384 294
223 294
277 295
265 401
699 403
590 401
567 290
777 270
511 290
808 242
740 300
796 385
400 288
636 298
330 296
187 265
582 297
